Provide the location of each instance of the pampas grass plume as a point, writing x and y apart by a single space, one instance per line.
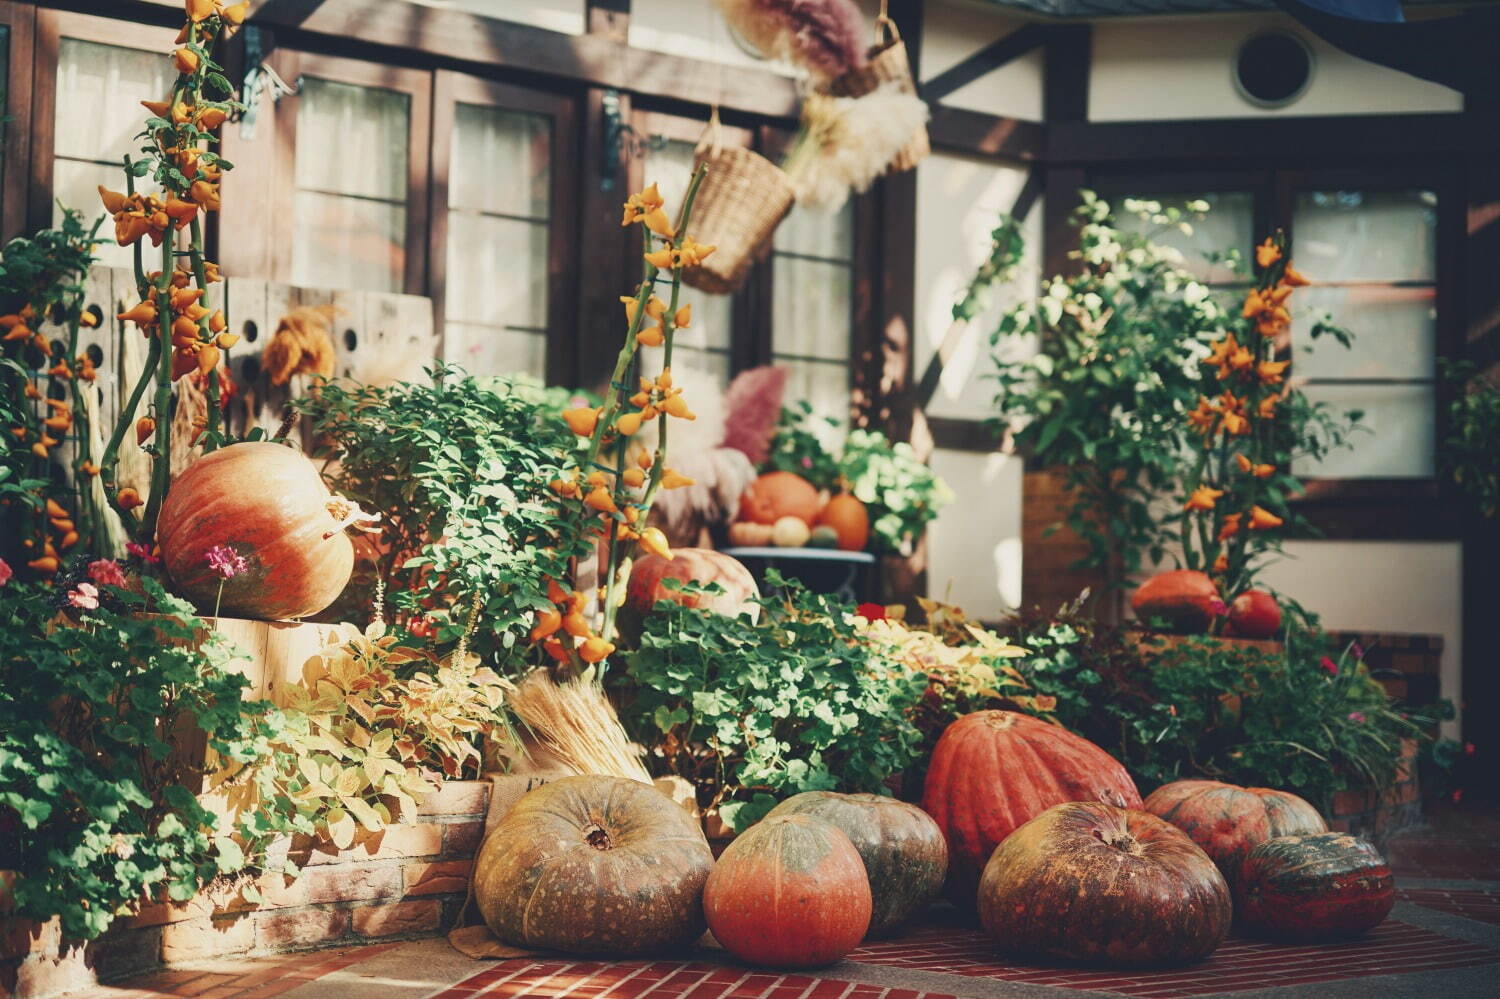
825 37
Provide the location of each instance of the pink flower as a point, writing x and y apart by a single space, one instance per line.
1217 607
84 596
806 462
106 572
5 572
225 561
1329 666
142 552
1357 650
1469 749
1457 795
1358 717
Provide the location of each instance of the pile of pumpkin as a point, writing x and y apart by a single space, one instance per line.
1040 832
784 510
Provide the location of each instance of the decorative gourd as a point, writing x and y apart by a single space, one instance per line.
848 516
692 565
779 494
1227 821
594 865
1186 598
1320 886
1254 614
790 532
903 850
747 534
992 771
1087 881
823 536
821 904
268 503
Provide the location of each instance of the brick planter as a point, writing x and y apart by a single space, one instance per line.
1377 815
410 882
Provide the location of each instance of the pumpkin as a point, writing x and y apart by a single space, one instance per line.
790 532
849 518
1186 598
779 494
1254 614
789 892
692 565
594 865
268 503
1320 886
745 534
903 850
1227 821
993 771
1087 881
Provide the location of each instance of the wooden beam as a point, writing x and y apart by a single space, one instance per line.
1065 73
971 132
988 59
963 435
610 18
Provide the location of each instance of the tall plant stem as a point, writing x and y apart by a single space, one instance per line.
161 466
200 276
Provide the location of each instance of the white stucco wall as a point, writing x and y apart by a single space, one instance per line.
953 30
554 15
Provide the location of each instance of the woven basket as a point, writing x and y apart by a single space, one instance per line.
741 201
886 64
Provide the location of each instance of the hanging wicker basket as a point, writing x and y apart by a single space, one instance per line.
741 201
886 64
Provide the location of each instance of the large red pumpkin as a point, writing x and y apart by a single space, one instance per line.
692 565
268 503
1087 881
1317 887
903 850
1254 614
849 520
594 865
789 892
1186 598
993 771
779 494
1228 821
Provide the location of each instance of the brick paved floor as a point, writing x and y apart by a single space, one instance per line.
1442 941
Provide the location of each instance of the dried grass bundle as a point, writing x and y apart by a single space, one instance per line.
846 142
575 721
825 37
303 345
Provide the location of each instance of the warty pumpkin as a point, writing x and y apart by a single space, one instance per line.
692 565
1321 886
1228 821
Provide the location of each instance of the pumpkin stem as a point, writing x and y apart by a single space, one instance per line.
597 838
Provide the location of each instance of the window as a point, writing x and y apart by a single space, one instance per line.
1373 257
351 184
1228 224
96 119
812 275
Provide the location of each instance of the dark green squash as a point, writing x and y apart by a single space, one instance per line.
1322 886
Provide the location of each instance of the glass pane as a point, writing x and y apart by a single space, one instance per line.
497 271
352 140
75 184
99 89
669 165
818 234
1365 235
348 243
1229 224
1399 443
501 162
810 314
714 363
824 385
483 350
1395 332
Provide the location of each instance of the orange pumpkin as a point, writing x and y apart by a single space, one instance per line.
692 565
849 519
268 503
779 494
1186 598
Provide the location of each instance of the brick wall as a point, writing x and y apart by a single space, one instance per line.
1377 815
1407 666
409 882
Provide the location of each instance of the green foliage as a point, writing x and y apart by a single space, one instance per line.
1471 452
459 470
754 713
97 806
799 445
1309 719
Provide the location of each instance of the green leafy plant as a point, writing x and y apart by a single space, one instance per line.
460 471
98 686
753 713
800 445
1469 454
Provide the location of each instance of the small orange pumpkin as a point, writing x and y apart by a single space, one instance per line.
693 565
779 494
849 519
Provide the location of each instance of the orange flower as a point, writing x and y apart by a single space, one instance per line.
1267 254
633 477
1236 425
1292 278
211 117
1221 564
1205 416
1267 408
637 205
600 499
205 194
1229 527
1203 498
128 498
1251 468
1270 371
595 649
581 420
236 13
672 479
651 336
1220 352
655 542
683 317
691 253
158 109
661 259
628 424
186 60
197 10
1262 519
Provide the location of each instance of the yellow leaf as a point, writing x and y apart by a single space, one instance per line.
341 828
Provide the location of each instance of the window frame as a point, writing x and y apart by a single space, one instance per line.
20 21
449 89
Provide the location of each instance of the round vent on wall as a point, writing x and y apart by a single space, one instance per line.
1272 70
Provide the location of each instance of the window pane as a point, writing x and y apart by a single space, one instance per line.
497 271
489 351
352 140
810 314
1365 235
1400 444
99 90
501 162
824 385
669 165
348 243
1394 327
1229 224
817 234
